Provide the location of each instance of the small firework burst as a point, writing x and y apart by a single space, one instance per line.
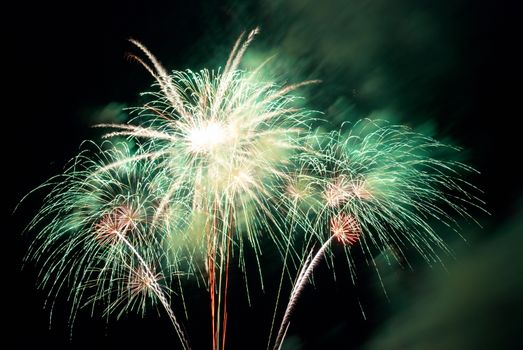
387 177
96 223
337 191
115 224
340 190
345 228
141 281
360 190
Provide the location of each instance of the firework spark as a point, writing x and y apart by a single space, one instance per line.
114 225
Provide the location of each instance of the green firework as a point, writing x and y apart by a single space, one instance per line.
221 160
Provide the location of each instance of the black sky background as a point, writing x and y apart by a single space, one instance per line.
65 62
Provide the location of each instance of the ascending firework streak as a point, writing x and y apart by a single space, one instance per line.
345 229
214 161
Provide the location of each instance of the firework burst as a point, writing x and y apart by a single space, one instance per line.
95 230
373 187
220 160
230 139
387 180
345 228
213 149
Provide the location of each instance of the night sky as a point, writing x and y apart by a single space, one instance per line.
451 68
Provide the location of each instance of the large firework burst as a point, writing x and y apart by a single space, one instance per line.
375 187
220 159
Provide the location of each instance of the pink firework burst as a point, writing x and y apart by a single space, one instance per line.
143 281
345 228
115 224
338 191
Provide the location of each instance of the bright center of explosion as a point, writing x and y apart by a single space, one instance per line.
205 138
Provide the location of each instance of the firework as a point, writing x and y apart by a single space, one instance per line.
213 149
220 159
230 139
372 187
95 233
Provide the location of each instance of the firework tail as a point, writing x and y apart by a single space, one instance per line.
301 281
157 290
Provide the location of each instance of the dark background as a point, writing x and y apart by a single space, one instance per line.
450 67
